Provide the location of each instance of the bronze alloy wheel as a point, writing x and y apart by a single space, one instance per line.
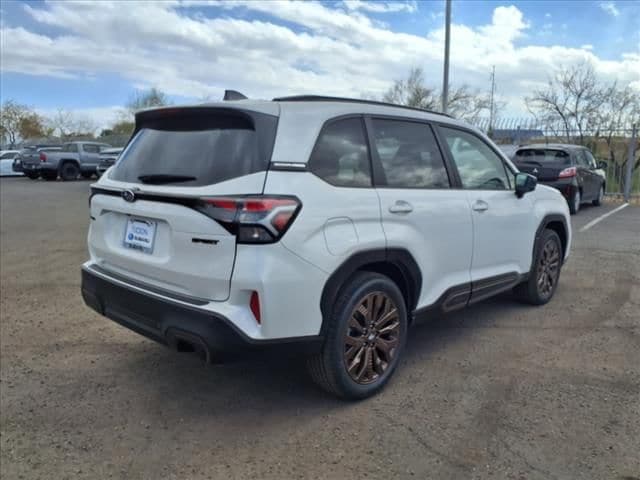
372 338
548 268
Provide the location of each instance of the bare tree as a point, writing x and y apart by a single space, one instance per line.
141 99
463 102
67 124
469 104
412 92
573 98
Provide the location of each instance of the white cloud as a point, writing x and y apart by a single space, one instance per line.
610 8
380 7
335 51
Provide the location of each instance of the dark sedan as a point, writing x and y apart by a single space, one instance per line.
572 169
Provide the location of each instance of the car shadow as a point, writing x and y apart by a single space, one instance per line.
280 384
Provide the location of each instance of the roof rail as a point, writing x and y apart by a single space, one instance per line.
321 98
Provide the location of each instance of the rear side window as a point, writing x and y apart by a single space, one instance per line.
480 168
70 147
197 148
591 159
340 156
543 156
90 148
409 154
581 158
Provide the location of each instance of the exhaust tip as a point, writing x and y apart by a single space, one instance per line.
183 342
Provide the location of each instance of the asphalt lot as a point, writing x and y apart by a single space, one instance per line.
499 391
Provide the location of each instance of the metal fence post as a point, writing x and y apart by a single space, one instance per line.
630 161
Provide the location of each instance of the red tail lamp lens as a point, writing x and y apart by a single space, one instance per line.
254 304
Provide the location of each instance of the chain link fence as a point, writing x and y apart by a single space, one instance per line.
615 149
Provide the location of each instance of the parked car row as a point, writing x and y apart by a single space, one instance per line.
68 161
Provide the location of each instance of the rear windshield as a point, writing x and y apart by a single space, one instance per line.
543 156
197 149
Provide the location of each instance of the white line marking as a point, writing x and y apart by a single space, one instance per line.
602 217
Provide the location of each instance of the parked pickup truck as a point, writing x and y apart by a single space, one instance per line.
31 154
74 159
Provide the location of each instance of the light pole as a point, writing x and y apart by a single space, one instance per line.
447 37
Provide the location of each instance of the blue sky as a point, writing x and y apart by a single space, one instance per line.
90 56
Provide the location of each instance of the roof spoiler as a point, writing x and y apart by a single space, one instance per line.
233 95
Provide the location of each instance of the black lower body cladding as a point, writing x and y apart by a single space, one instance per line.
178 326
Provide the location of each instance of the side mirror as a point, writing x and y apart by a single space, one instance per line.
602 165
525 183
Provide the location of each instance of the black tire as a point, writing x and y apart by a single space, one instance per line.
574 202
50 176
598 201
87 175
547 262
369 341
69 171
32 175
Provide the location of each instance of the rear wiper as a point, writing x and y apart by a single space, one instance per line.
159 178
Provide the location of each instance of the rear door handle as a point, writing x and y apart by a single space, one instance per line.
401 207
480 206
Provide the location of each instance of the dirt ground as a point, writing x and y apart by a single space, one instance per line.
498 391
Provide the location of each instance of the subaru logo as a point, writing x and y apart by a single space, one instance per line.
128 196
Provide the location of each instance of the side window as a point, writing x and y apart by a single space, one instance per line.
340 156
480 168
581 159
590 159
409 154
90 148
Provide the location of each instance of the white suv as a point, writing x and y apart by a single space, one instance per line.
324 224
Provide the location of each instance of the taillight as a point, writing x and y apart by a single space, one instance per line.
254 305
252 219
43 157
568 172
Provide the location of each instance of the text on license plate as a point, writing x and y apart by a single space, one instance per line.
140 234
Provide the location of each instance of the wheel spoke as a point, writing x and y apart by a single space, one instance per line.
390 315
356 360
379 365
390 327
385 346
355 324
354 341
365 364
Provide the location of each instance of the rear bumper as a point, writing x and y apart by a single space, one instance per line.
567 187
48 167
30 167
179 326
